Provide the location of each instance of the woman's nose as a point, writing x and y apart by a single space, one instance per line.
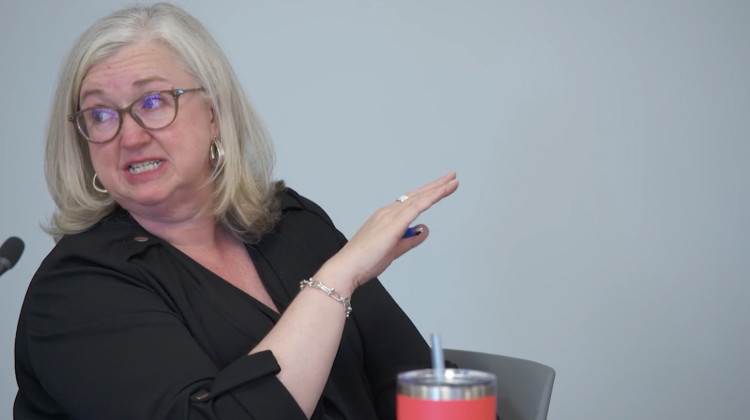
131 133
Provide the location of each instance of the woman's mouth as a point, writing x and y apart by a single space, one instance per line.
140 167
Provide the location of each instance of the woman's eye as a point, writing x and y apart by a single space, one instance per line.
151 101
101 114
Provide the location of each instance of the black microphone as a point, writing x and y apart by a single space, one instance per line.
10 252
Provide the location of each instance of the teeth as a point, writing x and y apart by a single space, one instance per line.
137 168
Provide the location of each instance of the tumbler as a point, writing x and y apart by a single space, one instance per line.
459 394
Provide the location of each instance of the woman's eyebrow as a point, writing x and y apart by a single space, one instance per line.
87 93
137 83
142 82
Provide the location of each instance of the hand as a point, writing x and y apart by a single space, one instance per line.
380 240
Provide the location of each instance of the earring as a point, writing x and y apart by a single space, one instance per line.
216 153
98 188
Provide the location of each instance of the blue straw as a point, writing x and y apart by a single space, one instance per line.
438 363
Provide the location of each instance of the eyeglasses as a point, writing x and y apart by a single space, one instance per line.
152 111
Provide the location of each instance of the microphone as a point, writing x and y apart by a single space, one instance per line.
10 252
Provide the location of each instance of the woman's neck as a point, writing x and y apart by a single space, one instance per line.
187 230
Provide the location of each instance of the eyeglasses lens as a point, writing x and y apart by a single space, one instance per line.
152 111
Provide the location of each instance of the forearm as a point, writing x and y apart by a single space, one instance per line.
306 339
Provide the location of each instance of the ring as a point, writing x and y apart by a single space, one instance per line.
402 198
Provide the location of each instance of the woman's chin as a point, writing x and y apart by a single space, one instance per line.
142 201
158 204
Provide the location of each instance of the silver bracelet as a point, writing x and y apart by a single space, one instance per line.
329 291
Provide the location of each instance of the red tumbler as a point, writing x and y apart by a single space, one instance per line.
460 394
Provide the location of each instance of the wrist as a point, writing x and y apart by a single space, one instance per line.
335 276
345 301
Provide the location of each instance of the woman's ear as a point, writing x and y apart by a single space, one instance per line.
214 124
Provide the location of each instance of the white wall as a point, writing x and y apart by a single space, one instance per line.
601 225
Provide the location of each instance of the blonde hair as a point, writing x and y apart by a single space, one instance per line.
244 192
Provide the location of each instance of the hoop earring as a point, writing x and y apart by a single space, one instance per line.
216 153
98 188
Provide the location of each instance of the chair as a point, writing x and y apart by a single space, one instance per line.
524 388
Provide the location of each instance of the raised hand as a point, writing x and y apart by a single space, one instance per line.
380 240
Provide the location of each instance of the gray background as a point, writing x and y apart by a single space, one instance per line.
601 224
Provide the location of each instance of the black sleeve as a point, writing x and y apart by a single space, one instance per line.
103 345
391 342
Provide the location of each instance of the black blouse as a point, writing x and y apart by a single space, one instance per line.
118 324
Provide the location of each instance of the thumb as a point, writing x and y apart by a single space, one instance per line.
413 238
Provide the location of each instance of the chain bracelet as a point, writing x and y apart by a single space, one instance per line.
329 291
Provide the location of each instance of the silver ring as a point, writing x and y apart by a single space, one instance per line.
402 198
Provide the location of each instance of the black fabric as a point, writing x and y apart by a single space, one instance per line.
118 324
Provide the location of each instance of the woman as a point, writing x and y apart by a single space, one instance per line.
185 283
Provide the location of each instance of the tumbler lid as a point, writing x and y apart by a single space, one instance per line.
456 384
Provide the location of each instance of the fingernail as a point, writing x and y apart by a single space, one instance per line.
418 230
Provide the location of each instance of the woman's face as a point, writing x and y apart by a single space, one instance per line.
158 175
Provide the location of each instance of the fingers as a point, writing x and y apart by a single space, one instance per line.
424 197
435 185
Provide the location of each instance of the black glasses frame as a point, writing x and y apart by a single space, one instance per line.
77 120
